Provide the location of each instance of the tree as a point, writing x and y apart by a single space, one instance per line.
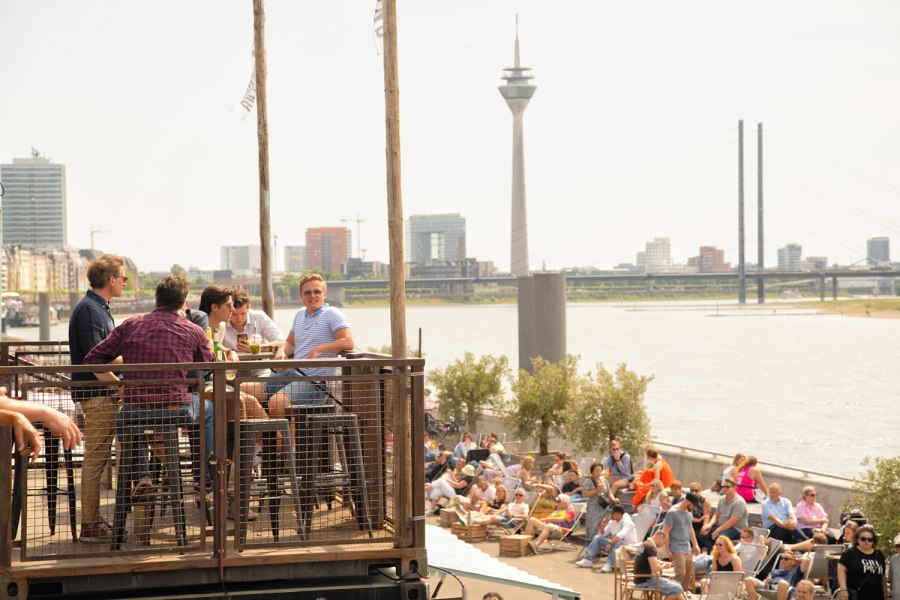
468 385
542 399
610 407
876 495
177 269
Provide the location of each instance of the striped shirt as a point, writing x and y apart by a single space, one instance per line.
311 330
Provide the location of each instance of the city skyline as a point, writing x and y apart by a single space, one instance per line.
633 135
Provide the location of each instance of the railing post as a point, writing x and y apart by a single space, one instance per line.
417 401
6 443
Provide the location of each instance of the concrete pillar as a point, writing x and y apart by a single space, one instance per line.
44 315
542 318
337 295
834 288
822 288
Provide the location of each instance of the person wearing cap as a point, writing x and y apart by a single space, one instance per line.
556 525
450 484
682 540
895 568
619 530
790 571
778 517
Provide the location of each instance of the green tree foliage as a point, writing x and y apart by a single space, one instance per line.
468 385
542 399
876 494
177 269
609 406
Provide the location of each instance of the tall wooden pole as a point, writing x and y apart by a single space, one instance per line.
262 136
394 197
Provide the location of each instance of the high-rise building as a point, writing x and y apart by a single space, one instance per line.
327 248
432 238
294 259
34 206
656 257
710 260
240 259
517 91
878 252
789 257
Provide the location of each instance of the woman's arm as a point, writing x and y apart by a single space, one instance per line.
758 477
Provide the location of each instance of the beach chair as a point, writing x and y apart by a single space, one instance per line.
497 464
722 586
511 483
817 569
752 557
645 520
563 543
774 550
531 499
760 533
584 464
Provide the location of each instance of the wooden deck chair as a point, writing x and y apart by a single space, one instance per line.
752 557
625 587
722 586
645 520
563 543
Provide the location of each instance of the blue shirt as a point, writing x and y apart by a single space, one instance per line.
781 510
89 325
311 330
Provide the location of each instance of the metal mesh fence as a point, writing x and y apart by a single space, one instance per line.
316 472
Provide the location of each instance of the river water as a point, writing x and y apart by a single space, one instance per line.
788 385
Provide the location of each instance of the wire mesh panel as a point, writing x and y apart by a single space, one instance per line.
320 474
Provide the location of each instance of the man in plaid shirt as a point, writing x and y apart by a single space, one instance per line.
162 336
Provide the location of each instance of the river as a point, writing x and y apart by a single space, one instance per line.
788 385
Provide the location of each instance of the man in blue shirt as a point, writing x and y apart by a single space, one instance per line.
319 331
778 517
89 325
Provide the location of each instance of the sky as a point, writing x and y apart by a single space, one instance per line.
631 135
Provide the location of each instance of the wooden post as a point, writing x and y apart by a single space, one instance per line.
262 135
394 197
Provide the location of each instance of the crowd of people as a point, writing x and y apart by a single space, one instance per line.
692 536
173 333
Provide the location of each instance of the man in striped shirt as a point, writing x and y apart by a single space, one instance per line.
319 331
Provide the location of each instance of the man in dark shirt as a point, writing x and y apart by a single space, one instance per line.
648 568
162 336
90 323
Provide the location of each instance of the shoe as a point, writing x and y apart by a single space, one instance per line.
533 546
142 490
98 532
607 568
585 563
461 515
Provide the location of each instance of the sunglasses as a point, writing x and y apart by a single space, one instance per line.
312 292
811 495
866 539
726 487
788 558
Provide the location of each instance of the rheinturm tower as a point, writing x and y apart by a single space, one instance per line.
517 91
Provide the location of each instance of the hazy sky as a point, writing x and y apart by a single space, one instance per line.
632 133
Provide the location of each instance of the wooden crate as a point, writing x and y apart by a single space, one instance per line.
448 517
469 533
514 545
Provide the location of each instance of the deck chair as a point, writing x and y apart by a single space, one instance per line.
817 569
760 532
584 464
563 543
511 483
722 586
497 464
752 557
645 520
531 499
771 556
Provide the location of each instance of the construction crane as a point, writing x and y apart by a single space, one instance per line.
360 251
95 232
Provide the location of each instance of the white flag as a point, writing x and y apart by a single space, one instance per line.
379 27
243 106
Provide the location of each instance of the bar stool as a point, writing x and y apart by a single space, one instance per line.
246 434
51 466
316 428
132 439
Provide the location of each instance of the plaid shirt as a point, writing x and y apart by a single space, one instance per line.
161 336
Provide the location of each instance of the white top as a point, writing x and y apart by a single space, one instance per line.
257 322
624 529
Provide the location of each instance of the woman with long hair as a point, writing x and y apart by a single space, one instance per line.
725 559
750 480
